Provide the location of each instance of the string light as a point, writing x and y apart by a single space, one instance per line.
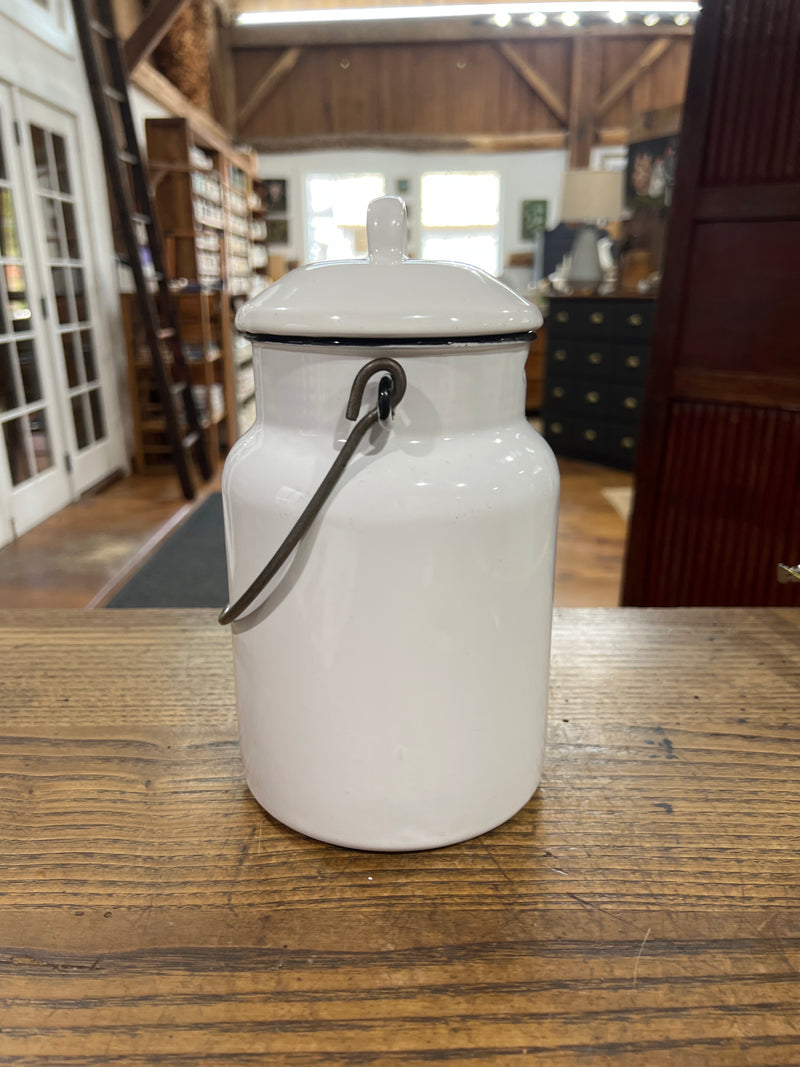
536 11
501 18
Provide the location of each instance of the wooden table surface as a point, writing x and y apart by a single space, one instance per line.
641 910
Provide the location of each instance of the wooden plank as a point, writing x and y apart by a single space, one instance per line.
612 135
155 22
148 902
649 56
268 84
477 142
736 387
535 81
750 202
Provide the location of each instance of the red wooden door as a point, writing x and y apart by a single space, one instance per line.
718 481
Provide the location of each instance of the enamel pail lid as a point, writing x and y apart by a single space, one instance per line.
387 296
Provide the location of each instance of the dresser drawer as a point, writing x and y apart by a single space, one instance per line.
563 356
581 358
630 363
558 433
596 360
584 318
622 441
578 396
626 402
631 319
591 439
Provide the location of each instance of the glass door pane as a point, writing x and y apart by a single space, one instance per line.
55 197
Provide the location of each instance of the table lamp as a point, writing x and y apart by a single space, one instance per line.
586 196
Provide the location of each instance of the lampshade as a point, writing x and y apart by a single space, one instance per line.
591 194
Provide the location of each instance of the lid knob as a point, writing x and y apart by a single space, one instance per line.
386 230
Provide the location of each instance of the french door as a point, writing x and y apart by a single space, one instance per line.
55 367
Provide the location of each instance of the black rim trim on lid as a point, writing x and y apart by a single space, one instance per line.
389 342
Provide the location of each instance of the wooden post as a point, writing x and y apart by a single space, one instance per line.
582 101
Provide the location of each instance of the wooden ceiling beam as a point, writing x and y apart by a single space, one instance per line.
268 84
536 82
511 142
147 36
626 81
433 31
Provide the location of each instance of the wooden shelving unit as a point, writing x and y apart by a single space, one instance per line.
204 200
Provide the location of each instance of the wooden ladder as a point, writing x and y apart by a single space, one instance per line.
130 189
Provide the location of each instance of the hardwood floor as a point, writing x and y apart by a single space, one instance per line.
80 556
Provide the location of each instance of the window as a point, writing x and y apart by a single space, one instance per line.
461 218
337 212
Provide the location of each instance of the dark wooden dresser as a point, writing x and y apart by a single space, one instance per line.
597 355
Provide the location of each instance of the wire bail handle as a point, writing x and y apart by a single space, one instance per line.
391 390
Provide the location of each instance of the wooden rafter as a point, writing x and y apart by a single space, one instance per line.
156 20
160 89
510 142
649 56
535 81
268 84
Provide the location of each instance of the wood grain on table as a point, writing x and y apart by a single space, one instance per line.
643 909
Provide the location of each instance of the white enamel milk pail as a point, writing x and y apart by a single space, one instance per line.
390 525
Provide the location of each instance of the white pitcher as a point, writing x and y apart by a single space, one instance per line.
392 662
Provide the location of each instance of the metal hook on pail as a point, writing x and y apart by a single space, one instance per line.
391 391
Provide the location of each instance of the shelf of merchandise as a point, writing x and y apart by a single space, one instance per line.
202 194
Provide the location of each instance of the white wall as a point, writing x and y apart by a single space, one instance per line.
524 176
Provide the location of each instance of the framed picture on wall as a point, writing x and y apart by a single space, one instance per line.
275 194
278 231
534 218
650 173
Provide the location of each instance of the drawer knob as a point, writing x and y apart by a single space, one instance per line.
590 435
632 361
593 397
562 316
558 391
595 357
627 442
556 427
635 319
560 354
631 402
596 317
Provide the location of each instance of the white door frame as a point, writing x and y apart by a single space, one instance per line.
47 68
26 504
94 462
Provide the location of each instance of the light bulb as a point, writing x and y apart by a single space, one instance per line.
651 20
501 18
617 14
569 18
537 18
681 19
